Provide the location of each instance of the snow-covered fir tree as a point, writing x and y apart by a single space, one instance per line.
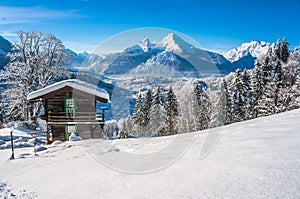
126 126
122 125
291 80
196 108
201 108
229 103
186 113
147 108
205 107
279 91
238 100
247 95
257 87
282 50
218 105
171 107
266 67
129 125
271 100
267 100
157 114
138 116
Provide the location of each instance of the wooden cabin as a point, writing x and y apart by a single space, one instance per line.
70 108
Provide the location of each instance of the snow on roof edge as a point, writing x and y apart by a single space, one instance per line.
74 83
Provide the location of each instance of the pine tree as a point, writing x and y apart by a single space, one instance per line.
282 50
256 91
138 117
290 69
229 103
238 98
171 108
270 100
247 95
147 107
267 100
201 109
205 108
266 67
291 81
129 125
218 106
157 114
196 108
186 112
279 92
285 51
278 49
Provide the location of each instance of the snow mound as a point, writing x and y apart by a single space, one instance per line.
75 138
57 142
40 148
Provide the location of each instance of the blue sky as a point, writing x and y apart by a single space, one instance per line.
218 25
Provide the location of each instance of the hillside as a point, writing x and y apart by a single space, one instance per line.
252 159
5 47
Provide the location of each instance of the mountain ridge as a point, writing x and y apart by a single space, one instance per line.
121 63
179 50
254 48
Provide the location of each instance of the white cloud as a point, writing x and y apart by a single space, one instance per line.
79 47
8 34
17 15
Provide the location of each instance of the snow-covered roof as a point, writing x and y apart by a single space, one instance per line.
73 83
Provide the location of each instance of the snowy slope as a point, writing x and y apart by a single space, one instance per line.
5 47
252 159
253 48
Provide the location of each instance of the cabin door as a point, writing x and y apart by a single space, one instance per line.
70 111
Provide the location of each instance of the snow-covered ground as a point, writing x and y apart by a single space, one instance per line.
252 159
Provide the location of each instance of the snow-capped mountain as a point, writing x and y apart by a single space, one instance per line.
76 59
146 45
165 64
172 51
253 48
171 43
174 43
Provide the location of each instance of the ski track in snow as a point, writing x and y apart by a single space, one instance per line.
252 159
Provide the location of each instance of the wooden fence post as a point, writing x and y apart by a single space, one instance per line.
12 145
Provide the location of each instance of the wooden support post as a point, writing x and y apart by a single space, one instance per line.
12 145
